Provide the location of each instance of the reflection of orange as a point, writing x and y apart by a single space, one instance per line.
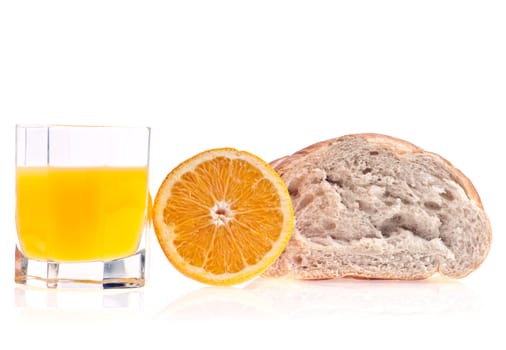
150 207
218 303
223 216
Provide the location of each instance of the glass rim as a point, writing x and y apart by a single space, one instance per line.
80 126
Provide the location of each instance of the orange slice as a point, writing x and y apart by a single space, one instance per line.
223 216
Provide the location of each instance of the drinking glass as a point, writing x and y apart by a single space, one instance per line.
82 204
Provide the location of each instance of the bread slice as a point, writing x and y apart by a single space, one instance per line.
373 206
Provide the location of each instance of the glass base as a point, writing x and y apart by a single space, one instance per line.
127 272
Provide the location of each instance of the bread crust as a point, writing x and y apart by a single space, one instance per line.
401 148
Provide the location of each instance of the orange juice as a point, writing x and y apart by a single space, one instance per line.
67 214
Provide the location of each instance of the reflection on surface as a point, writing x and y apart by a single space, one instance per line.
366 297
217 302
278 298
47 304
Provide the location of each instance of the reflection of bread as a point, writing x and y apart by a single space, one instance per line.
373 206
347 299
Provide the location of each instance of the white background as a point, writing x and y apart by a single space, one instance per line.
269 77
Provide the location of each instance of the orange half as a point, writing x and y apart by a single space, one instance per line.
223 216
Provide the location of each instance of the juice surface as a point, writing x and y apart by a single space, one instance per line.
80 214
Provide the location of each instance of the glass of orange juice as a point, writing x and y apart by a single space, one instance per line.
82 205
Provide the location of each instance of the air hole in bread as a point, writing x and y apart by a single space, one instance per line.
305 201
432 205
293 187
337 182
396 218
328 224
366 171
447 195
406 201
391 225
367 207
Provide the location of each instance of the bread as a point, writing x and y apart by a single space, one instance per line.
373 206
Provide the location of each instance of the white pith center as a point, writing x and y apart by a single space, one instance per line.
221 213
